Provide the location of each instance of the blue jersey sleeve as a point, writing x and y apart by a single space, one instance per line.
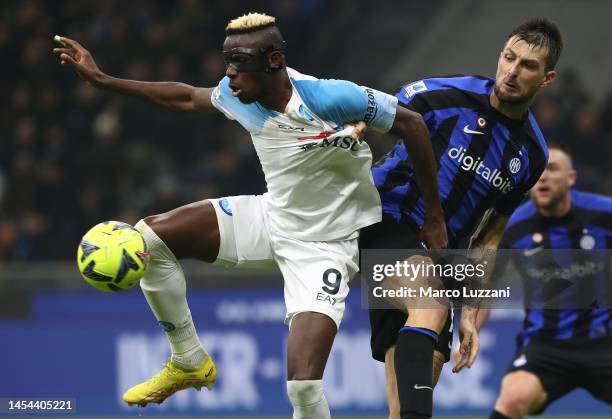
251 116
428 95
341 102
410 97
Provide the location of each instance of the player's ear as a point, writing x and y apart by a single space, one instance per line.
549 78
276 60
572 178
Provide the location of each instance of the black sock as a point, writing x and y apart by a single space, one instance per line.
413 368
496 415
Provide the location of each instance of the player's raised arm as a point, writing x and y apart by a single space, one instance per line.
172 95
410 127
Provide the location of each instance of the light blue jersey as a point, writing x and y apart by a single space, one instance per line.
319 182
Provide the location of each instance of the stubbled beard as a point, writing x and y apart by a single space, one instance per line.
512 100
554 200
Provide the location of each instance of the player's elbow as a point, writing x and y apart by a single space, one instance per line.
182 107
189 102
182 99
407 123
200 100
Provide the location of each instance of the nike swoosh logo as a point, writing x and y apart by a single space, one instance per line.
531 252
209 372
467 130
418 387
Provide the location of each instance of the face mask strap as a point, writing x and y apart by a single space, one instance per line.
280 47
258 58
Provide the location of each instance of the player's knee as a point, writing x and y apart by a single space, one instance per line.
438 316
304 392
162 265
154 222
511 404
418 260
432 318
153 242
142 223
150 220
517 399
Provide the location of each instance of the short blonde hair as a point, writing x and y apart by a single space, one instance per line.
250 22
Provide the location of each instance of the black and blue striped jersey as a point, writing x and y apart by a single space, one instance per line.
484 158
586 228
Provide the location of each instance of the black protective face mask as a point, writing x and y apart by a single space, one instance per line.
252 59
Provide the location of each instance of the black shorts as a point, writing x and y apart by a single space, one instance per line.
386 323
563 366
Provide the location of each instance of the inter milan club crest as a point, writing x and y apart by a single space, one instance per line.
515 165
587 242
537 238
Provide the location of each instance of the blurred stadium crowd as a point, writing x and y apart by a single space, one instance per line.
72 156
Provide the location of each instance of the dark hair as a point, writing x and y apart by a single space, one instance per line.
554 145
542 33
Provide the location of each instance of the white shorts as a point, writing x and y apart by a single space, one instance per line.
316 274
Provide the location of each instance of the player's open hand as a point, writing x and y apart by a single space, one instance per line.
73 54
469 340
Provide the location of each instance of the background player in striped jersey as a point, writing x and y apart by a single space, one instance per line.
320 193
490 152
559 350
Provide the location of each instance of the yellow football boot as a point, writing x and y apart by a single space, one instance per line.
171 379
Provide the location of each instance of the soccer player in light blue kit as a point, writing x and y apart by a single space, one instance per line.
320 193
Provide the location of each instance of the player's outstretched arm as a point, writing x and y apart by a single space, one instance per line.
172 95
411 127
